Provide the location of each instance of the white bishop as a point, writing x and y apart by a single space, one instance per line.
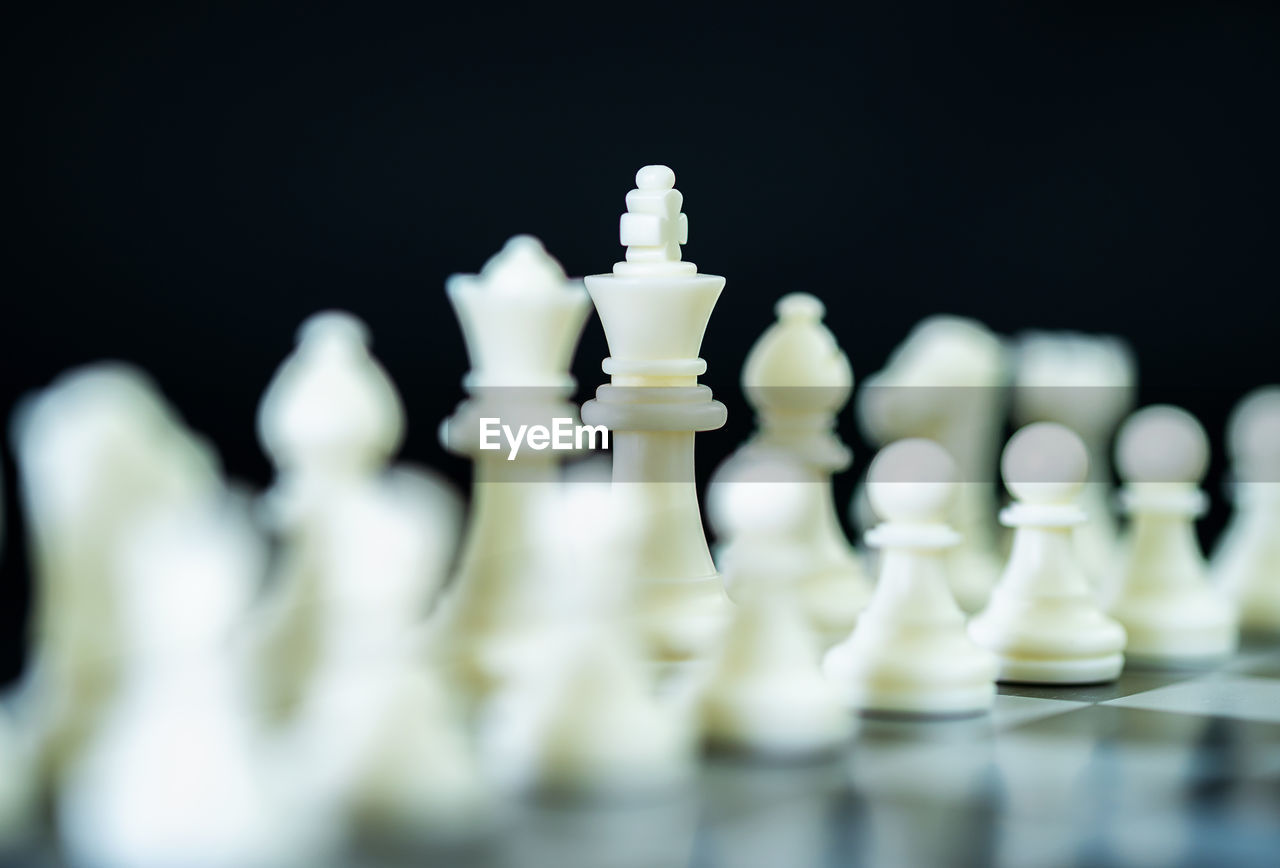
330 420
797 379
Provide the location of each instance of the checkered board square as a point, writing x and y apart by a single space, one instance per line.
1162 767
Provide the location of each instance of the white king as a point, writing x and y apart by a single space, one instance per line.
654 309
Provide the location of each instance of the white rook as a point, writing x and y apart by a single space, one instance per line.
654 309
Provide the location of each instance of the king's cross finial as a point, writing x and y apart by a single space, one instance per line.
653 227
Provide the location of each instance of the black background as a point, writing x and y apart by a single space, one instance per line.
187 184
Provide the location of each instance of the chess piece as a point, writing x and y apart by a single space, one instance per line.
1246 563
797 379
379 740
654 309
96 448
588 725
1043 621
521 319
1165 602
330 420
766 694
909 653
946 383
17 802
177 774
1087 383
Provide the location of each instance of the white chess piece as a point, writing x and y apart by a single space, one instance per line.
909 653
654 309
1043 621
177 774
589 725
797 379
96 449
946 382
766 693
1087 383
17 803
379 741
1246 563
1165 601
330 420
521 318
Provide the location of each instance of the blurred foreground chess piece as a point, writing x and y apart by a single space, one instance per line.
1246 563
1087 383
1169 609
909 653
379 744
585 724
521 318
96 449
797 379
17 787
330 420
946 382
654 308
766 694
177 774
1043 620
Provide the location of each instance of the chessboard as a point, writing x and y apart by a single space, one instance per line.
357 666
1161 767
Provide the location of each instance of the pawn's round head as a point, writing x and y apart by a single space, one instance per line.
1253 436
1162 444
911 481
765 496
1045 463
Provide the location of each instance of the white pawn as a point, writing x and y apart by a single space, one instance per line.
177 774
946 382
1165 602
588 725
1085 382
1043 621
379 740
766 693
909 653
330 420
1246 563
797 379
